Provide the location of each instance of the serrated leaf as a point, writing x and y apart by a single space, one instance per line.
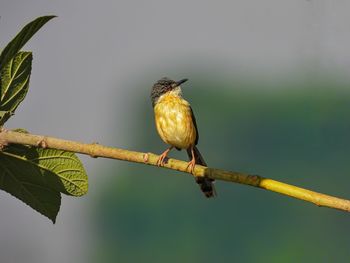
14 81
21 39
62 170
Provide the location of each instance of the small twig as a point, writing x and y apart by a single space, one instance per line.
96 150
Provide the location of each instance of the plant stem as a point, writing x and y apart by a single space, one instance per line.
96 150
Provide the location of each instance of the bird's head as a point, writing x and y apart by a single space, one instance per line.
165 85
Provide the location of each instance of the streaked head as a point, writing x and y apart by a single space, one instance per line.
163 86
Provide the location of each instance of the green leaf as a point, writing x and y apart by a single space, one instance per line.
4 116
21 39
64 171
37 176
26 183
14 82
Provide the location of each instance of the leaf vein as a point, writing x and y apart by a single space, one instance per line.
14 73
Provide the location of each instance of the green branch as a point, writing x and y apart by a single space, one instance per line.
95 150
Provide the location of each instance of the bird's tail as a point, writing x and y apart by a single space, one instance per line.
206 184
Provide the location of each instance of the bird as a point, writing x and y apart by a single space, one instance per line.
177 127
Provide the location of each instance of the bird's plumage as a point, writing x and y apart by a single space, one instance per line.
176 125
174 121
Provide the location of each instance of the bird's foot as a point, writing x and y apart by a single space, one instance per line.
191 164
163 157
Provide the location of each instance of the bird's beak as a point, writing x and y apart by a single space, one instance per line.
178 83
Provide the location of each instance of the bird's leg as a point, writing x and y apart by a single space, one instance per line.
192 163
162 157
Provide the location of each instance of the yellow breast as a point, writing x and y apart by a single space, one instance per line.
174 121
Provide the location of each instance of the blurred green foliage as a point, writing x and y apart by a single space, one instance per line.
299 135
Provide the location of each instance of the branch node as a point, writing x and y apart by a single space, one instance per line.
3 144
42 143
93 150
256 178
145 157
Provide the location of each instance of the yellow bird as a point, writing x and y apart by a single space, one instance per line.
177 126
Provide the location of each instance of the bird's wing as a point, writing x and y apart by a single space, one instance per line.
195 125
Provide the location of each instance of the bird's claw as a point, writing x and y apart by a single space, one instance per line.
191 164
161 160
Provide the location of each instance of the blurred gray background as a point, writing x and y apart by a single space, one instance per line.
268 84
